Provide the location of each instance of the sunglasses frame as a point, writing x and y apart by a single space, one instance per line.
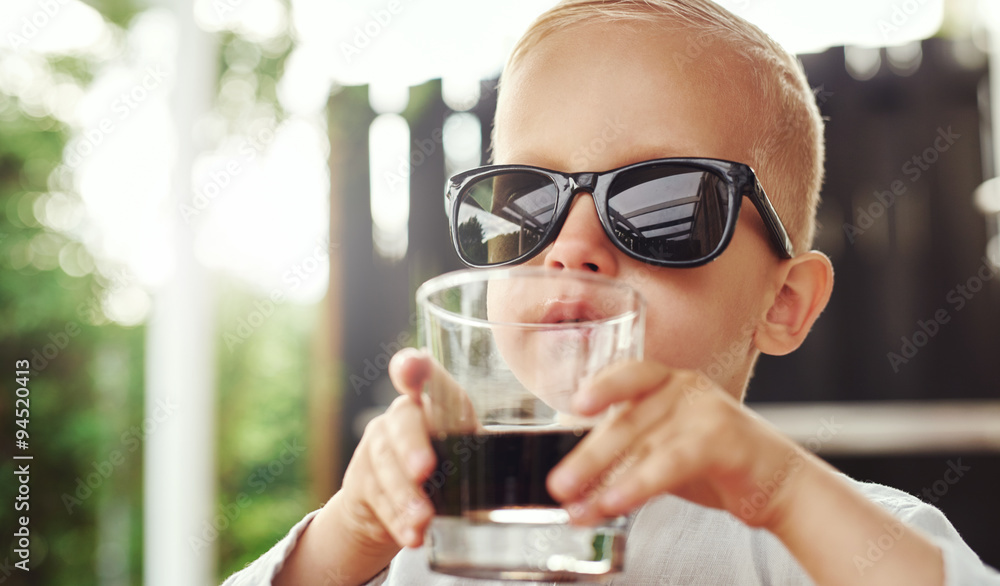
740 179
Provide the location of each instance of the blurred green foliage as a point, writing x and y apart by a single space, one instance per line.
85 381
86 409
263 468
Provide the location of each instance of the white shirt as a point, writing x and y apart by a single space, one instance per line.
673 541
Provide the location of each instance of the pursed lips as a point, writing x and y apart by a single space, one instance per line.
559 311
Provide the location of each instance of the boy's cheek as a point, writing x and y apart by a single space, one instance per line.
679 336
698 324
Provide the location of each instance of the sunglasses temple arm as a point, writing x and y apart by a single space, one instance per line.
774 226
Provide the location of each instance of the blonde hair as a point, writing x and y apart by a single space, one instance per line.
787 150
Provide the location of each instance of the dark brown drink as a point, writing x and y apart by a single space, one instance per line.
493 470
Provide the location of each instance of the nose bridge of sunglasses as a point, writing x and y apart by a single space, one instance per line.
582 182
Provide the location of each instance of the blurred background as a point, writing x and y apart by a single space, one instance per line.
214 213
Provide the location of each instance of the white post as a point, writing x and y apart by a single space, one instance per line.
993 29
179 468
990 206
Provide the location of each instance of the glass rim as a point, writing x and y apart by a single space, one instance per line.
466 276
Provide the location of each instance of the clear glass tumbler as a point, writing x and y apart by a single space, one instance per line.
512 346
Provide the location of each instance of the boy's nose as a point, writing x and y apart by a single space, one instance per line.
582 243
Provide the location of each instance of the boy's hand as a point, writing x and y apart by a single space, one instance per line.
381 506
381 488
673 431
394 457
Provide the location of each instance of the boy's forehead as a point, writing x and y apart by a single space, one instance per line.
600 95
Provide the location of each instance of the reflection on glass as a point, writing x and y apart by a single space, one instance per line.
503 216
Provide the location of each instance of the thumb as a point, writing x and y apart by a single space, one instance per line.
409 369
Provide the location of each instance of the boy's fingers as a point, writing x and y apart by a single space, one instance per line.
411 370
391 462
404 506
382 507
386 472
609 444
660 471
620 382
669 469
405 429
408 370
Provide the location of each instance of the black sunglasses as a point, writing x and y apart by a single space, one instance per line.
678 212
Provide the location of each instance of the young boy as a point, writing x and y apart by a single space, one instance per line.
717 495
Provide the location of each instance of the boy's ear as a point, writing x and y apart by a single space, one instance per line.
804 292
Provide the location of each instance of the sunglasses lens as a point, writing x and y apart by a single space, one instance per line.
504 216
669 212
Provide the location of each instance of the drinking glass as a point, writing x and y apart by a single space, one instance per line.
511 347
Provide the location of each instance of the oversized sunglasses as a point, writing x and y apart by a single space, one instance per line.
678 212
